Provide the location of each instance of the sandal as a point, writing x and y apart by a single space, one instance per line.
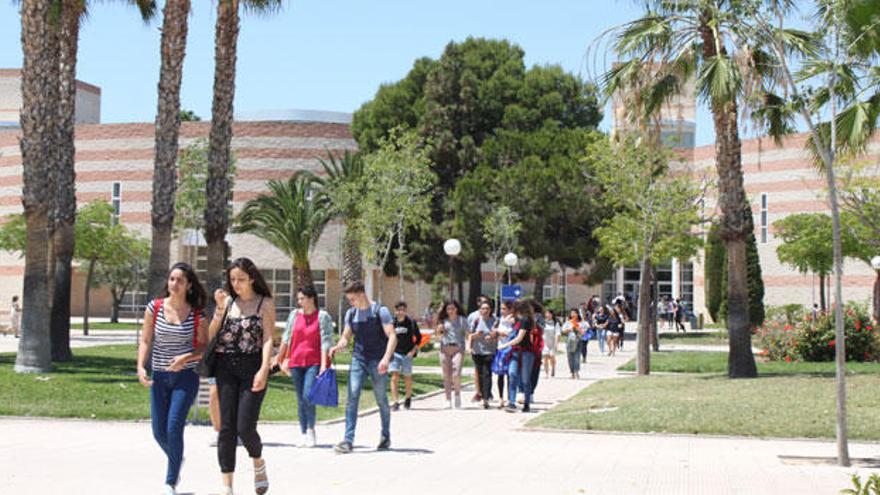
261 481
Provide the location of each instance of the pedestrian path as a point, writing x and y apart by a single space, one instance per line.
434 450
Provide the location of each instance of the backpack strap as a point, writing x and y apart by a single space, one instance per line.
157 306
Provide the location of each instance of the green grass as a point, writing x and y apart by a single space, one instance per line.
716 362
788 406
694 338
105 326
100 383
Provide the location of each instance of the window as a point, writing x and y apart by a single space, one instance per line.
281 282
764 222
116 201
320 279
686 280
548 291
134 302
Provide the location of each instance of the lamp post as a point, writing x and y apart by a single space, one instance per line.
510 259
875 264
452 248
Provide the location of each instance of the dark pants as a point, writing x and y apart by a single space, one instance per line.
483 363
500 387
582 348
239 407
536 373
171 396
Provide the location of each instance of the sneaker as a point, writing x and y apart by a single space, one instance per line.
485 404
458 402
343 447
385 444
395 406
447 404
407 403
510 408
526 408
303 441
169 490
310 438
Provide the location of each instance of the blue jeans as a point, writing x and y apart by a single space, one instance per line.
303 377
171 396
602 334
520 375
360 368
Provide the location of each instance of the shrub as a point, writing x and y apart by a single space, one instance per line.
787 314
779 341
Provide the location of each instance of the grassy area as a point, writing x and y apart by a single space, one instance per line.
782 405
105 326
694 338
716 362
101 384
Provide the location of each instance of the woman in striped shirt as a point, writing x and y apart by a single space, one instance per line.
176 330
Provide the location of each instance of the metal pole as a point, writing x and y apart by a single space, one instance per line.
451 284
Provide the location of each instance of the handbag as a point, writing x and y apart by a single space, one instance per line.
208 363
588 335
324 391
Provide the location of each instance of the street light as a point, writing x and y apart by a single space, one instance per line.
452 248
510 259
875 264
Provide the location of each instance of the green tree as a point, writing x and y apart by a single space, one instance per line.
289 218
13 234
754 278
397 179
653 219
189 116
501 228
342 187
123 269
714 268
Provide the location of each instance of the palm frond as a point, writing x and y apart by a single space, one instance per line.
719 80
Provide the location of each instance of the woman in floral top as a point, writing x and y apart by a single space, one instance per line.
245 320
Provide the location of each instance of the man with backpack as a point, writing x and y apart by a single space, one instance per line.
370 325
408 339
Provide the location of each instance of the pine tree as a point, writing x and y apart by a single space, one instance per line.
755 279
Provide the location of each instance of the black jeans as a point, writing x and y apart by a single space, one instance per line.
501 387
483 363
239 407
536 374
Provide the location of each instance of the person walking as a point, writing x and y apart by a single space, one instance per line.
408 339
572 330
552 329
305 344
244 321
622 318
371 326
504 329
482 343
680 314
523 357
670 313
15 317
451 330
601 321
473 317
173 338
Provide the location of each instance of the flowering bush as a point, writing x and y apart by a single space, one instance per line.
814 340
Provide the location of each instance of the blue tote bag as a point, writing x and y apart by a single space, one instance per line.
324 391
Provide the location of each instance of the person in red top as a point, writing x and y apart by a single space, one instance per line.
307 338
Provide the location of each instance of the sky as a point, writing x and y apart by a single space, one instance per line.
323 55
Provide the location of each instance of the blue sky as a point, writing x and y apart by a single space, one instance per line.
323 55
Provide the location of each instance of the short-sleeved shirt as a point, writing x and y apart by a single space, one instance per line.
454 332
369 344
408 335
171 340
481 344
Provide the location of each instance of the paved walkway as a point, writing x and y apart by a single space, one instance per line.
470 451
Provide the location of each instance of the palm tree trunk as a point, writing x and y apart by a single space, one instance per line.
87 299
39 100
64 184
173 50
220 140
303 275
352 267
732 200
643 359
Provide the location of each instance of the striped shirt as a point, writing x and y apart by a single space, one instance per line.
170 340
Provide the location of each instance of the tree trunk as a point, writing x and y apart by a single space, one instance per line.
741 361
539 287
822 299
87 296
39 100
220 139
655 335
114 310
643 360
400 255
173 50
64 184
303 275
475 283
352 266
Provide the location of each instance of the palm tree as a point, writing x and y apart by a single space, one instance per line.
220 139
63 177
673 43
340 185
173 50
290 218
38 105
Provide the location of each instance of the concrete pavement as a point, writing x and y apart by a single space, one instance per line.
469 451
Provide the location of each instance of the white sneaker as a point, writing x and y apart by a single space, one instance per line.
169 490
303 441
458 402
310 438
447 404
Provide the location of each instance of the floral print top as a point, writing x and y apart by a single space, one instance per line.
242 334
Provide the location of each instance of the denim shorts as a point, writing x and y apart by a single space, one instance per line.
401 363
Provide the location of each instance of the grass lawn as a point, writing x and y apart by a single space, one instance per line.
429 358
694 338
787 400
105 326
716 362
101 384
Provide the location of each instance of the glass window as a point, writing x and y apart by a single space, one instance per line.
319 277
116 200
764 217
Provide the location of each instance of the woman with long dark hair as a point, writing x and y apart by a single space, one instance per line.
451 330
552 329
573 330
523 356
175 329
504 329
245 320
307 339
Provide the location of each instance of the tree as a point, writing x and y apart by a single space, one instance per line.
754 278
175 27
501 228
123 269
397 179
189 116
288 219
220 138
342 187
672 44
655 212
714 267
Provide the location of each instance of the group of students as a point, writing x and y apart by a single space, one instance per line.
238 338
